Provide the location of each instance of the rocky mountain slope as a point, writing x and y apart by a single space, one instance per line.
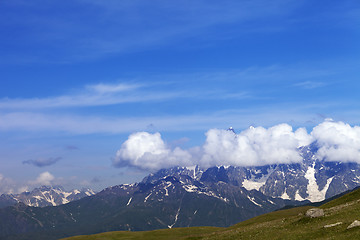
339 220
44 196
158 201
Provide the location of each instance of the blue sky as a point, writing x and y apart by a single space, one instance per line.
78 77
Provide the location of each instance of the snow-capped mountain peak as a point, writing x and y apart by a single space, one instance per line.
46 196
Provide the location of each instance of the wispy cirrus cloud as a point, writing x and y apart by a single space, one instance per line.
122 93
91 95
206 85
102 88
234 96
78 124
118 27
310 84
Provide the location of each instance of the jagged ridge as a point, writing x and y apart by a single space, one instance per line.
45 196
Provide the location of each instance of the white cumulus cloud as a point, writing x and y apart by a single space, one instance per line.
44 178
337 141
149 151
255 146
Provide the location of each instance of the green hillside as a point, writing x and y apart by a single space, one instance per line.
284 224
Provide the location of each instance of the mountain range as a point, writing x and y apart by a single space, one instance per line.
186 196
44 196
313 179
335 218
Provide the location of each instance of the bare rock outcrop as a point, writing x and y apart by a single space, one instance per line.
355 223
315 212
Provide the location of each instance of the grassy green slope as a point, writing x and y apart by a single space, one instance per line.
284 224
162 234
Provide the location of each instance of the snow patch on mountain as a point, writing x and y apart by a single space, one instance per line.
190 188
166 188
193 170
315 195
298 197
129 202
89 192
176 218
250 185
253 201
65 201
146 198
285 195
50 196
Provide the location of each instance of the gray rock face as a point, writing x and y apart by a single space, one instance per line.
355 223
315 212
7 200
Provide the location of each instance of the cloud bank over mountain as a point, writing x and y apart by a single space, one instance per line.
255 146
6 184
44 178
337 141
